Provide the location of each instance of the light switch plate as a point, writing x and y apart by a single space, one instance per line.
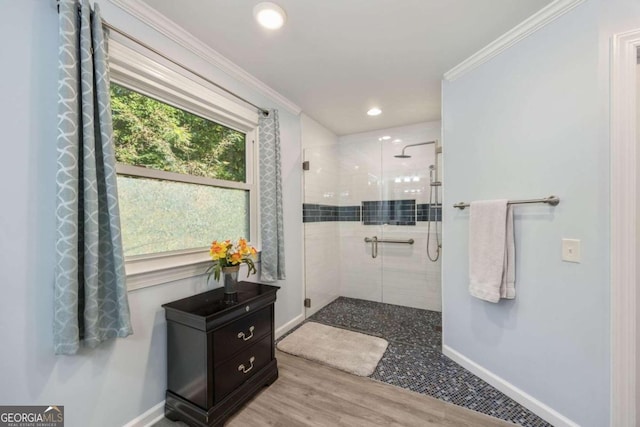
571 250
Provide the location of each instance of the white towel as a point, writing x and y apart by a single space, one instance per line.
491 251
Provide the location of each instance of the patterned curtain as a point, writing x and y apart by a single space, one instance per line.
272 256
90 290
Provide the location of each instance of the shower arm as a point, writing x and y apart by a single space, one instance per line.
417 144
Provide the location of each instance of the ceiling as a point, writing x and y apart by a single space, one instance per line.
338 58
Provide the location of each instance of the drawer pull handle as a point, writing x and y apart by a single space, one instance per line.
245 337
242 368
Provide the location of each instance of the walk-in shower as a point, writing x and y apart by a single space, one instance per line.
371 212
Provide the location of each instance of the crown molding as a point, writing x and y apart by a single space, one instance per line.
154 19
521 31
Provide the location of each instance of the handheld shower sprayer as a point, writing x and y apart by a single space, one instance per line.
433 177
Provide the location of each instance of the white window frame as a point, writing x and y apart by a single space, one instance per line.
144 72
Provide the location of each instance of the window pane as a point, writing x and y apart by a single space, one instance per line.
159 216
156 135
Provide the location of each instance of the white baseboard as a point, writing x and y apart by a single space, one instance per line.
289 325
540 409
149 418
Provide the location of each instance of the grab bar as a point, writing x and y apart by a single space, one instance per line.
376 240
374 245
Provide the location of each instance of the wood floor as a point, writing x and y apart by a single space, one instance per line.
310 394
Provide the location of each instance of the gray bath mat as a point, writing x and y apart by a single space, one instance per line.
348 351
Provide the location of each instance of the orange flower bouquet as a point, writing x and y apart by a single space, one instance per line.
227 254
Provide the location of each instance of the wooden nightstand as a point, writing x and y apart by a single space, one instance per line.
219 355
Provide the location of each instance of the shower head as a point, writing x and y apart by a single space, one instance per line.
406 156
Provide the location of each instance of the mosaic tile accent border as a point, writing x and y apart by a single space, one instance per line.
319 213
392 212
414 358
328 213
425 214
349 213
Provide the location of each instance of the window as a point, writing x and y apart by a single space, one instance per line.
185 163
162 211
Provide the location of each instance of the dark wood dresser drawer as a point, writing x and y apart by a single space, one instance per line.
241 334
233 372
220 352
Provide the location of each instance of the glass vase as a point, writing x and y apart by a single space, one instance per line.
230 280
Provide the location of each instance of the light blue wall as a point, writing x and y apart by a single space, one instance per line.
532 122
122 379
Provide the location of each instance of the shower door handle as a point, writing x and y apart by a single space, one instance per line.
374 245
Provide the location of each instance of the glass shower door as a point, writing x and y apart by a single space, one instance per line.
360 192
322 274
339 183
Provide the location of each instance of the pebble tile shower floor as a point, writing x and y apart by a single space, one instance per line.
414 358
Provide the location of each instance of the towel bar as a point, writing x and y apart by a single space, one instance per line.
551 200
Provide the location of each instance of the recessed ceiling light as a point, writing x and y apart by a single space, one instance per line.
397 140
385 138
375 111
269 15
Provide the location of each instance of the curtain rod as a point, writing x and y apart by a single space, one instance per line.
146 46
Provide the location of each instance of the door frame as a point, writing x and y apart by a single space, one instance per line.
623 227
